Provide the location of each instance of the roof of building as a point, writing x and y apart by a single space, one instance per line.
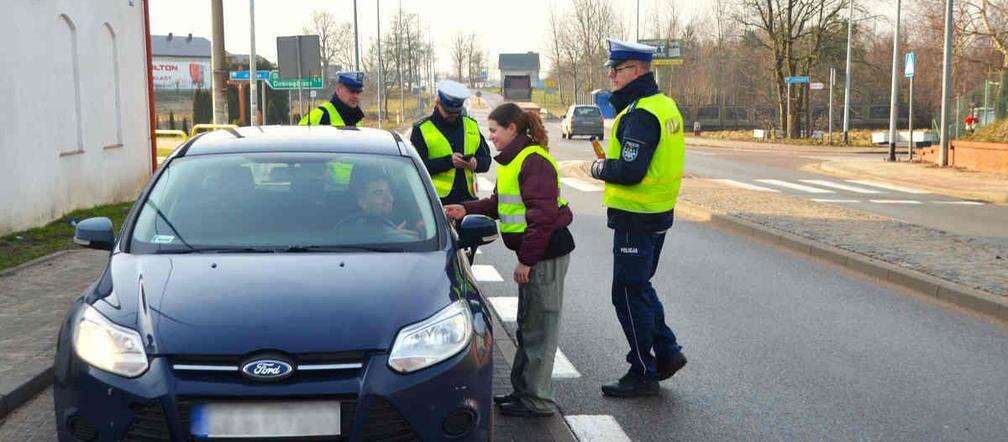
179 46
528 61
298 139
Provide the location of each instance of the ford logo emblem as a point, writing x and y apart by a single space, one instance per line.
267 369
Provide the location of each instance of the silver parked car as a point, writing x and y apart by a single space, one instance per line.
582 119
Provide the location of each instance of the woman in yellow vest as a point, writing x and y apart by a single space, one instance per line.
533 222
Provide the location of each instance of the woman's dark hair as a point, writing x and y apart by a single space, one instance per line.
526 122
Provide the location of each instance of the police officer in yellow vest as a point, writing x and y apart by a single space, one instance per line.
642 172
344 107
451 145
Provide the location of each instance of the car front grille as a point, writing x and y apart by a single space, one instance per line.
382 422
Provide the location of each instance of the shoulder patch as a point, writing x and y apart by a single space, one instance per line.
631 148
673 125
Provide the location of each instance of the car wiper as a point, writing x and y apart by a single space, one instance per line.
324 248
220 250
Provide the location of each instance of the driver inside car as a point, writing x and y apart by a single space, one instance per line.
376 202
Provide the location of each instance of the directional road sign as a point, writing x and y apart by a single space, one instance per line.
244 75
793 80
909 64
276 83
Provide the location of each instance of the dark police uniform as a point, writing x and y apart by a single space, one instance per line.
642 172
455 132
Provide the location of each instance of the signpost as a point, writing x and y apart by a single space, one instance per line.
790 81
669 52
244 75
274 82
299 58
909 67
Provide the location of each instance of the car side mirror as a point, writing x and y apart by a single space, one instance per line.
95 233
477 230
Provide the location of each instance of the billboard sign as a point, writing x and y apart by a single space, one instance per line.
180 75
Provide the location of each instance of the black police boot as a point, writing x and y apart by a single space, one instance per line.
669 367
504 398
631 385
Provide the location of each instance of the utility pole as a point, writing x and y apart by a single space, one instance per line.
832 79
894 89
356 41
946 85
253 100
381 64
847 75
398 31
638 20
217 55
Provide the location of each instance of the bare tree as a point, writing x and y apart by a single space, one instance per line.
335 39
459 46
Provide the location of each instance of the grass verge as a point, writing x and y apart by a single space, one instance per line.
20 247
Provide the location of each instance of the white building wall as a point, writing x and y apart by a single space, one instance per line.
74 122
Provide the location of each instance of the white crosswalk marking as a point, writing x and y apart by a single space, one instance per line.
742 185
794 186
484 185
960 203
592 428
506 306
484 272
888 186
895 201
562 367
581 185
840 201
840 186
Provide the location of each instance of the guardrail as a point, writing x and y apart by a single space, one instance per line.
165 143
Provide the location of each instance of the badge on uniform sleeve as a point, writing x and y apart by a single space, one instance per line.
630 149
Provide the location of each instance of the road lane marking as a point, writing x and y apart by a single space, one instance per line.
888 186
506 307
484 185
825 183
483 272
793 186
591 428
581 185
706 154
960 203
742 185
895 201
827 200
562 367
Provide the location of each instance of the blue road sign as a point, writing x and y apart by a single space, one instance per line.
793 80
909 64
244 75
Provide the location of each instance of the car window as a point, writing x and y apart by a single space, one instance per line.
587 112
286 202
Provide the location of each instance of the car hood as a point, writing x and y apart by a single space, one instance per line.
298 303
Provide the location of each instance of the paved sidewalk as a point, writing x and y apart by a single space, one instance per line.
991 187
34 299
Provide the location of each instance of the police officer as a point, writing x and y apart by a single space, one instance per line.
343 109
451 145
642 172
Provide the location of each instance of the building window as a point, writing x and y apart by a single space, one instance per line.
113 62
76 144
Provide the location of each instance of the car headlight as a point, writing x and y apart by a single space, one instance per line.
107 346
432 340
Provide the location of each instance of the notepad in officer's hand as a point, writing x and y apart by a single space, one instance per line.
598 149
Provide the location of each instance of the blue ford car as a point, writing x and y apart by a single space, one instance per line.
281 283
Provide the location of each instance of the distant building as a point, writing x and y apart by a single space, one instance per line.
180 62
519 73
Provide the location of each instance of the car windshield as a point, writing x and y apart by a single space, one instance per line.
587 112
286 202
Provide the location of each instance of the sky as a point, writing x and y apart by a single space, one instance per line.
502 26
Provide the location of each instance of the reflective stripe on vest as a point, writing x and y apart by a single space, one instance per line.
658 191
314 118
510 206
439 147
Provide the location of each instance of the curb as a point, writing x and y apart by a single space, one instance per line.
779 147
35 261
990 197
25 391
962 296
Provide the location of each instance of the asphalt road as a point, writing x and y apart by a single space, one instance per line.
780 347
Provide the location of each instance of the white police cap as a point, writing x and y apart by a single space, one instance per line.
452 94
620 51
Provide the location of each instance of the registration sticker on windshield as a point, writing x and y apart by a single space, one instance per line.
162 239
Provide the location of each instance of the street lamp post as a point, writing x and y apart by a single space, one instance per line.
381 73
946 85
894 90
356 42
253 100
847 75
